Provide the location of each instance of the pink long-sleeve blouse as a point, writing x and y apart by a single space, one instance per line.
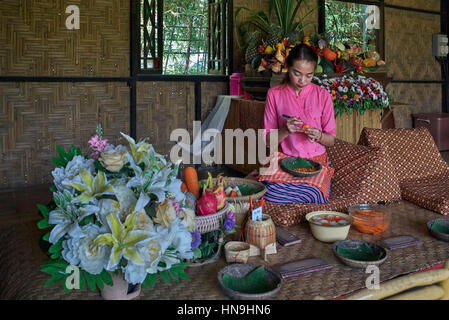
313 106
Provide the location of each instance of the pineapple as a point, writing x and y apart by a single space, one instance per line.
252 49
294 36
274 35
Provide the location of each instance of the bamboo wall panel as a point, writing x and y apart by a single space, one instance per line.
34 40
432 5
209 93
408 44
349 127
417 97
36 117
161 108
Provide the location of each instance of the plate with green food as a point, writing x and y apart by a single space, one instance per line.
300 167
439 228
249 282
359 253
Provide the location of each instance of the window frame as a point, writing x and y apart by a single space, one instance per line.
157 74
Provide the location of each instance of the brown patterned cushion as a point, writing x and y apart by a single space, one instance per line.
413 151
431 193
362 175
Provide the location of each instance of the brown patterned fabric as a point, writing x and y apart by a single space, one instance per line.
423 174
362 175
431 193
413 151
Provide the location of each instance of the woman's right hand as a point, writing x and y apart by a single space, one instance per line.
294 125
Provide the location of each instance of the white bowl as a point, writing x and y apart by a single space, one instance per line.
329 233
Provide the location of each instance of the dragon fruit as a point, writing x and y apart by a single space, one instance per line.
207 203
220 193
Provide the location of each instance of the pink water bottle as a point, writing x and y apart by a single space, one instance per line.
235 87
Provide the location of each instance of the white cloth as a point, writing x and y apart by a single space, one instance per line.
214 121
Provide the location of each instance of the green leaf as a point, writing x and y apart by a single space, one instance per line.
43 224
55 279
44 210
183 274
152 277
254 282
46 237
165 277
100 284
106 277
82 281
56 255
59 263
62 153
58 162
174 274
57 247
439 227
52 270
67 290
91 283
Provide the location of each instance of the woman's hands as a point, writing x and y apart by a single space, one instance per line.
313 134
294 124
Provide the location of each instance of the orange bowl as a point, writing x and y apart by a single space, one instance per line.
370 218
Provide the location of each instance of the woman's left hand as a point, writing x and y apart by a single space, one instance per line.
313 134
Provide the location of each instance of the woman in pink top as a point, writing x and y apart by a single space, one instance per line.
291 105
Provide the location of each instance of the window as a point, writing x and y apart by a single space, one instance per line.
355 23
184 37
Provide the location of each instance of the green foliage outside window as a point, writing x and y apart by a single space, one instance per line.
346 23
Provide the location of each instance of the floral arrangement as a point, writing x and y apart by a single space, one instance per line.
337 58
120 209
355 93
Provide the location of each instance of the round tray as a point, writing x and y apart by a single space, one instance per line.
354 244
240 270
212 221
300 174
436 234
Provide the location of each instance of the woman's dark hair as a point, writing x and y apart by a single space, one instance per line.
300 52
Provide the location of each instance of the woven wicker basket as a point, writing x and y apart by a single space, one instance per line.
212 221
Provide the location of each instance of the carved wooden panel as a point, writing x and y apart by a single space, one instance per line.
34 39
36 117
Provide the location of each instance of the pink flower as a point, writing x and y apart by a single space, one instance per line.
97 145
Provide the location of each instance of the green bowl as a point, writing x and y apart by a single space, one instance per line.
359 253
286 165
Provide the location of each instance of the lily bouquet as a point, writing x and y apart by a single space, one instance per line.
121 210
349 93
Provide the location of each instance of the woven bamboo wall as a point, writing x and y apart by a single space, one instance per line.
433 5
408 44
417 97
34 40
209 93
163 107
36 117
408 52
